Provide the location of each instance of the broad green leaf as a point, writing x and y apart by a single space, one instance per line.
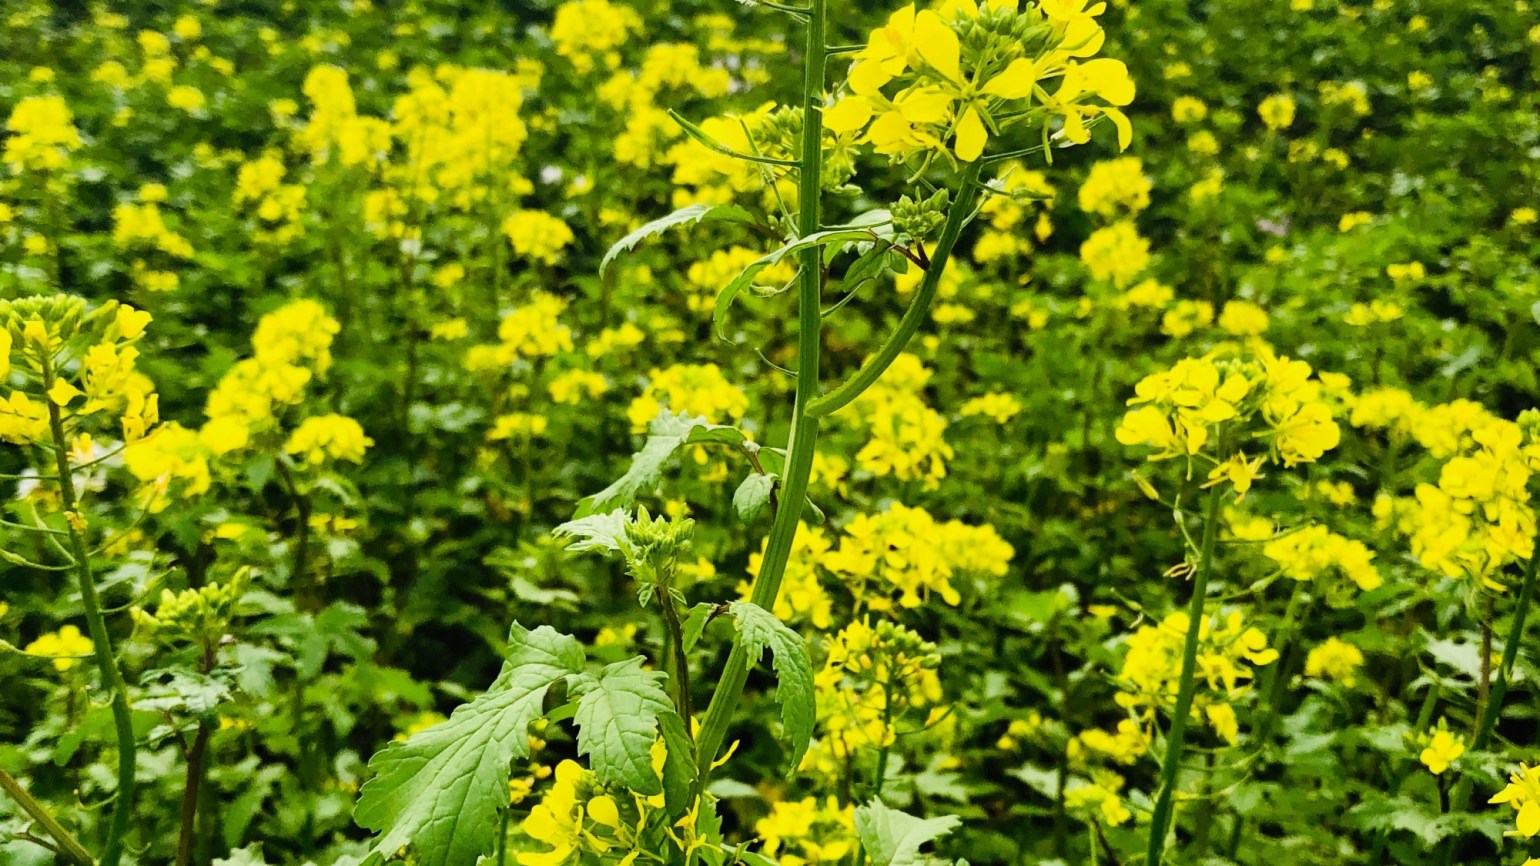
694 213
759 630
894 838
617 719
870 227
665 435
596 531
441 790
752 498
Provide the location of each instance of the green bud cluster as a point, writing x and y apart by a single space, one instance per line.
921 219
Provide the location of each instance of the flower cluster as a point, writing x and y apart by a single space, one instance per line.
966 72
1228 651
1207 408
906 551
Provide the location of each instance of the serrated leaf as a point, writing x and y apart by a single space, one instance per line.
894 838
617 719
694 213
869 227
665 435
752 498
679 766
759 630
596 531
442 789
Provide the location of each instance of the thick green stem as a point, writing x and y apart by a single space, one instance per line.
68 845
804 425
1160 819
101 642
956 217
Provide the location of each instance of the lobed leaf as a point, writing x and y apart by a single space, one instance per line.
689 215
759 630
894 838
617 717
441 790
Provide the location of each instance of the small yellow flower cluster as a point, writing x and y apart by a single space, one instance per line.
537 236
808 832
43 134
64 646
1335 659
320 438
1099 797
81 363
1205 404
1116 253
1115 186
906 437
290 347
1477 518
1000 406
802 597
1011 53
574 387
1125 745
276 204
1277 111
691 389
1018 191
1310 553
891 670
1227 651
648 130
590 32
911 553
533 330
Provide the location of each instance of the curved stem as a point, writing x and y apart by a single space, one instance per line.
804 424
68 845
101 642
1160 819
956 217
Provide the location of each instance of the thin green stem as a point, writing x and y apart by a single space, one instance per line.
101 642
919 308
68 845
1492 709
679 660
1160 819
804 425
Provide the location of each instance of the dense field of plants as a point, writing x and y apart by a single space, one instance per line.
810 433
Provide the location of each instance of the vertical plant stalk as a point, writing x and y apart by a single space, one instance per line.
197 758
68 845
1160 819
1492 709
101 642
804 425
678 658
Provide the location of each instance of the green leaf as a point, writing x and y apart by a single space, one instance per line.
695 624
680 767
694 213
617 718
605 532
666 434
894 838
752 498
868 227
441 790
758 630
